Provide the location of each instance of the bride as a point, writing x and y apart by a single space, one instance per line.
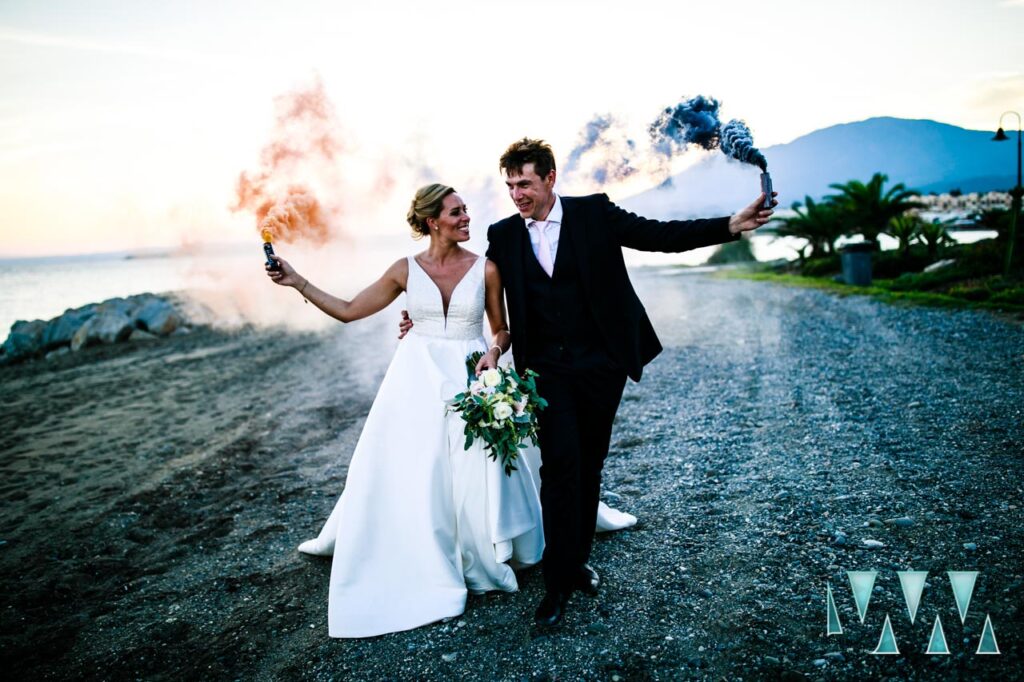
421 521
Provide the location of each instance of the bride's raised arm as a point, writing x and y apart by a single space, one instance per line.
494 300
370 300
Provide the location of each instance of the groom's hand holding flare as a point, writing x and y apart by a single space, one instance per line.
753 216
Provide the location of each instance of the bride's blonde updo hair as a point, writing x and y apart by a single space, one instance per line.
426 204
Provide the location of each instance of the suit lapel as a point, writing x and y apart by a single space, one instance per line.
572 224
515 282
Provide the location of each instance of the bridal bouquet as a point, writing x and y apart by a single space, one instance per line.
500 407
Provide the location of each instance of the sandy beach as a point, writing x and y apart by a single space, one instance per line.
153 494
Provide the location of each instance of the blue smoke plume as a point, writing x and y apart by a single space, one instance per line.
692 121
738 143
603 151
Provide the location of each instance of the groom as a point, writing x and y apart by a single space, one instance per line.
577 322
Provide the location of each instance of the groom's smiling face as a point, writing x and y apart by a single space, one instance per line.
533 195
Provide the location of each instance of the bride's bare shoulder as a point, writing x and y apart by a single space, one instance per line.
491 271
398 272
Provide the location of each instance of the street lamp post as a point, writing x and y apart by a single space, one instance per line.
1017 191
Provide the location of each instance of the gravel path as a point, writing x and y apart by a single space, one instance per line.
782 427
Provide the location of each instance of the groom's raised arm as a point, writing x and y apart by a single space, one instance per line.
672 236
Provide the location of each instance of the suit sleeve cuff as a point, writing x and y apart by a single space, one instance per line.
722 224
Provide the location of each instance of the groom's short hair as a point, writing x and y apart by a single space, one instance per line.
524 151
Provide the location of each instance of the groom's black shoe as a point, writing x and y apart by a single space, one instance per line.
587 580
551 608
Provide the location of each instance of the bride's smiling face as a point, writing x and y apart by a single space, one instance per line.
453 221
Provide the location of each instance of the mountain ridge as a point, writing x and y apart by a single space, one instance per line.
924 154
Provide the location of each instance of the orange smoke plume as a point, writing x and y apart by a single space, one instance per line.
297 215
303 148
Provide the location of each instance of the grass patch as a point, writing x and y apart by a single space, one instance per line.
986 293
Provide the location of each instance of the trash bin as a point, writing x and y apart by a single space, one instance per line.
856 259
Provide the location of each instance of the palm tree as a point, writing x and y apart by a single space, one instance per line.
934 235
905 228
819 223
868 208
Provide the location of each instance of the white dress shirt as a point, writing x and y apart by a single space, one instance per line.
552 229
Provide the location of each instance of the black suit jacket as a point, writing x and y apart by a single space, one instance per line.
599 230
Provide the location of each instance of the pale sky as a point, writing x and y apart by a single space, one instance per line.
125 124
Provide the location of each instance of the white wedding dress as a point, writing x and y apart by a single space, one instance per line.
421 521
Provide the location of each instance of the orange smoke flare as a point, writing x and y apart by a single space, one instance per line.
304 143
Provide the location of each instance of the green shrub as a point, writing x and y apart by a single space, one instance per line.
738 251
1010 295
970 293
821 267
892 264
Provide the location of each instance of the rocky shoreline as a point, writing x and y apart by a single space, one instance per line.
142 317
154 495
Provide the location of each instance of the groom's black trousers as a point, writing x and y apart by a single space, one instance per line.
574 432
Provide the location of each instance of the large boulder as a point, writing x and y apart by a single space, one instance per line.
125 306
110 326
60 330
25 340
158 317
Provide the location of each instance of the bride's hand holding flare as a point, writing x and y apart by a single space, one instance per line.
286 276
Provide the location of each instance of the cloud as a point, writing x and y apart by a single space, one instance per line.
30 38
998 92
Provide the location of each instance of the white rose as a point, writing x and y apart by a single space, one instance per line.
476 388
502 411
491 377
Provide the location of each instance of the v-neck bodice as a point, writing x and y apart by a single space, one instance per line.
465 309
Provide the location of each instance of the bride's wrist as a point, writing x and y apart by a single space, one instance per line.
495 347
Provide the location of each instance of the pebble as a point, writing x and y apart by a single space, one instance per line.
873 544
900 521
970 546
448 658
